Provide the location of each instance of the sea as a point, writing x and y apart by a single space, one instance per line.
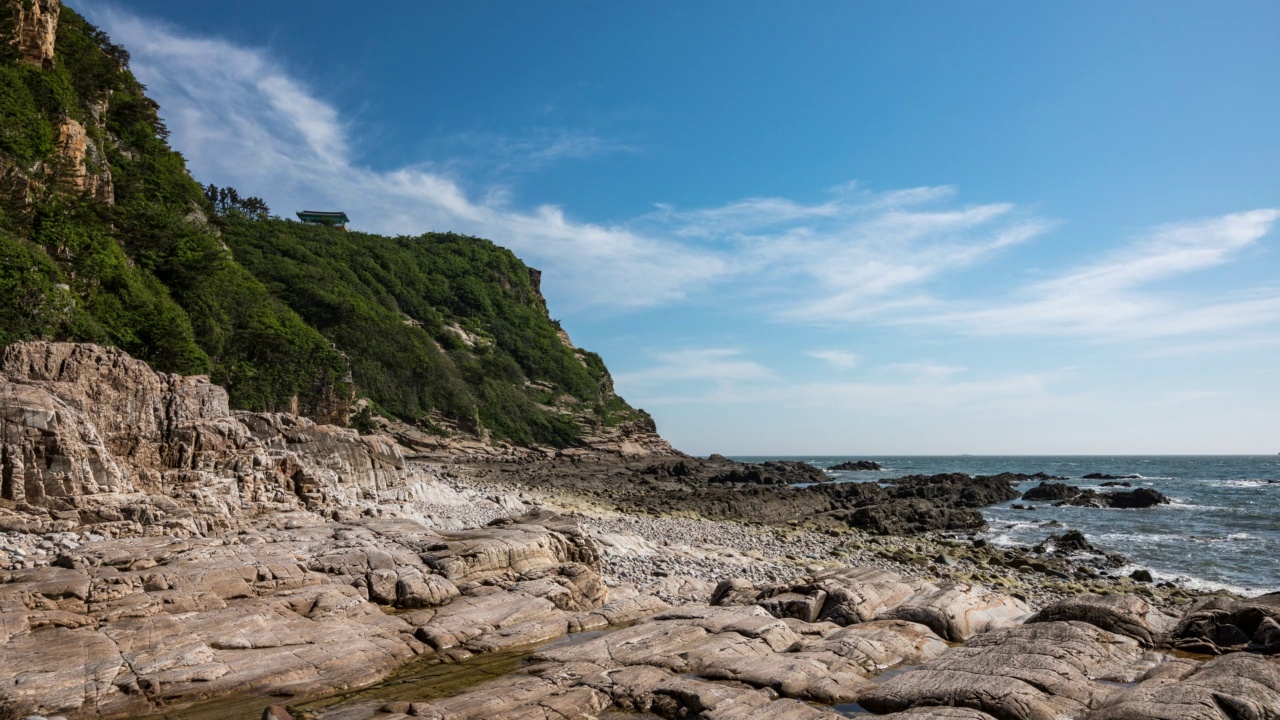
1221 530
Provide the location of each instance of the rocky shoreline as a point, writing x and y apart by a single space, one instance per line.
161 552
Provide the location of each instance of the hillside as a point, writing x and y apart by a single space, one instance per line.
105 237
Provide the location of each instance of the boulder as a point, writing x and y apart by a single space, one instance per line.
1128 615
1216 625
843 596
958 611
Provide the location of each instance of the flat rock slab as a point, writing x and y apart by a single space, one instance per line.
137 623
745 644
1045 671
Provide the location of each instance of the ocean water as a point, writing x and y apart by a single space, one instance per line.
1222 529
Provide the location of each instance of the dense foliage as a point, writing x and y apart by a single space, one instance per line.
201 280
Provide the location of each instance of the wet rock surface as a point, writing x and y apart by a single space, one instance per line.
1125 499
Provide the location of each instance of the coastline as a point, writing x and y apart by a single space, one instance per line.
187 554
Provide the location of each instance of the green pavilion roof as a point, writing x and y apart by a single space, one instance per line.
328 218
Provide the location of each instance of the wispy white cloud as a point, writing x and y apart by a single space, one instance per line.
842 359
1114 297
718 365
926 372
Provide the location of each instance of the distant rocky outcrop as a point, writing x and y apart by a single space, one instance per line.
1131 499
1047 491
856 466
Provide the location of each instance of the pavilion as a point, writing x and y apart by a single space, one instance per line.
332 219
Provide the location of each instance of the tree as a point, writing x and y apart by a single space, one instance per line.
227 199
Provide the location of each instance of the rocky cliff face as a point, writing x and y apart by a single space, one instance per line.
89 435
75 153
36 26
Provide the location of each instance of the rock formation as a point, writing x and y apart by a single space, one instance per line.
90 436
75 152
35 30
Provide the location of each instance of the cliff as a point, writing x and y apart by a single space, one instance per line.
105 238
91 436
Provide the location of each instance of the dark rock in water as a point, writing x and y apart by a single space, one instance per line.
1132 499
856 466
1051 491
1020 506
1117 483
1071 540
957 489
911 516
1217 625
1142 576
1140 498
1105 476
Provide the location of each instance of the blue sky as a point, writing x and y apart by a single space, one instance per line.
831 228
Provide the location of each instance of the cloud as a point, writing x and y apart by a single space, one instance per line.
842 359
719 365
853 256
1113 297
926 372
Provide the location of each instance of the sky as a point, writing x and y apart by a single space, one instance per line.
836 228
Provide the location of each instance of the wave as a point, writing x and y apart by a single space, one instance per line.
1192 582
1246 483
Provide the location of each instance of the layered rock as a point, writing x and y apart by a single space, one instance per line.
76 152
955 611
122 626
35 30
91 436
1042 671
1220 625
1128 615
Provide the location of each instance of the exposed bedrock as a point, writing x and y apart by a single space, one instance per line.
1040 671
955 611
91 436
1128 615
130 624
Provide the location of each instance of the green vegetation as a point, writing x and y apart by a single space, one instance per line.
439 327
